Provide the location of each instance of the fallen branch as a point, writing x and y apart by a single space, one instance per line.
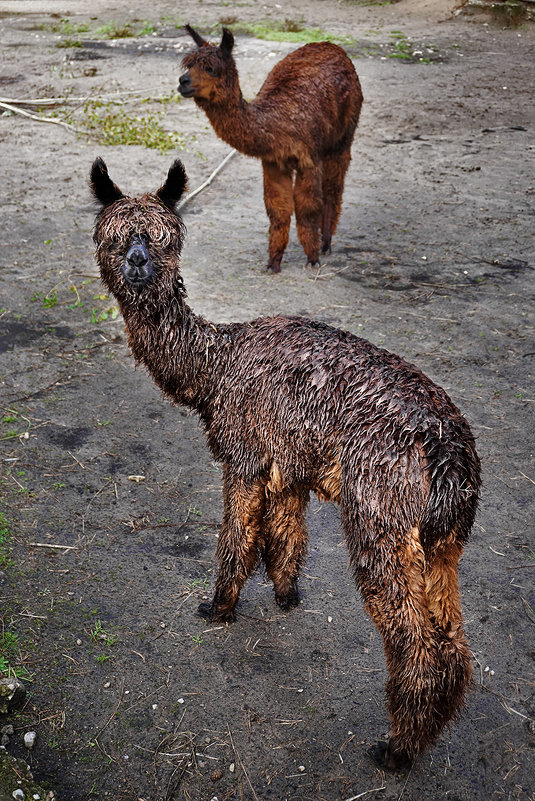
239 760
54 547
207 183
58 101
361 795
16 110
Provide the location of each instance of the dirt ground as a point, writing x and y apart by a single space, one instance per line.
132 695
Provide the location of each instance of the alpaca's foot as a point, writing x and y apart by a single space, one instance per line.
274 265
315 263
287 600
387 756
211 614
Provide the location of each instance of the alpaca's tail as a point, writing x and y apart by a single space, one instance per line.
454 474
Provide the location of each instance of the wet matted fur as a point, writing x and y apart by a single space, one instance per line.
290 405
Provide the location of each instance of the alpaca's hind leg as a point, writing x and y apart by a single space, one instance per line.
428 661
278 200
285 542
308 206
238 544
334 171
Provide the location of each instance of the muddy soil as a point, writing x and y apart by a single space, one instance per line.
111 495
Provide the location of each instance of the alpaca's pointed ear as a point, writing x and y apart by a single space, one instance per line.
197 38
173 188
227 42
102 187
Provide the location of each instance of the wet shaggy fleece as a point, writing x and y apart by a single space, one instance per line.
290 405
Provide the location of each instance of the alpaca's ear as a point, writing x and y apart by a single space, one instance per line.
227 42
197 38
102 187
173 188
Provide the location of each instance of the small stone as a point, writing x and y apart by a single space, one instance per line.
216 774
29 739
107 685
18 794
180 700
36 797
155 706
301 768
78 642
531 726
12 695
232 767
9 730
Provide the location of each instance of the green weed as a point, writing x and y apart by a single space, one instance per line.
102 635
113 126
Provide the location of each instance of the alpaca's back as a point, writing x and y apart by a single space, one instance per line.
313 96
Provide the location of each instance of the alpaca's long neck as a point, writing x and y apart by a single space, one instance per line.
184 353
241 124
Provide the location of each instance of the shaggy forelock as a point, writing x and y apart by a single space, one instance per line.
206 56
129 216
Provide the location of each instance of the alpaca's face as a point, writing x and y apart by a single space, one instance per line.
138 240
210 70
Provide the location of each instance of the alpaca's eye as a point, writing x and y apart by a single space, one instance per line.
213 71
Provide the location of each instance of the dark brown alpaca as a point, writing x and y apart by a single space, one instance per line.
300 124
290 405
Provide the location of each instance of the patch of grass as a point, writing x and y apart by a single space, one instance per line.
11 417
10 656
65 27
113 126
6 538
403 48
114 30
286 31
69 43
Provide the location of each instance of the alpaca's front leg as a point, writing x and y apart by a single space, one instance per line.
238 544
278 201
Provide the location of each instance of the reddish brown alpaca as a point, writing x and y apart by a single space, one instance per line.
289 406
301 123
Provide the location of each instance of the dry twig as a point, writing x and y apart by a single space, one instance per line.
206 183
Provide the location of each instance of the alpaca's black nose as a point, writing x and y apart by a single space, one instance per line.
137 268
137 256
184 85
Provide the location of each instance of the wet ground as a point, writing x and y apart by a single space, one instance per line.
111 495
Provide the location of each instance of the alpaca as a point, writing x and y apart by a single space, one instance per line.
301 123
290 405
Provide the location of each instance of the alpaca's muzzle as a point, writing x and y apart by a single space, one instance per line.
137 268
